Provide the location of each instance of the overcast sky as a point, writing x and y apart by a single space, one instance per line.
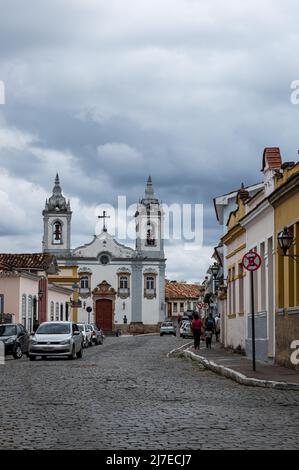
107 92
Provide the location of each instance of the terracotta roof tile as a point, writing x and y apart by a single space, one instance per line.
180 290
4 267
272 158
34 261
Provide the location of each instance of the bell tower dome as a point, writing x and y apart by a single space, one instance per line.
57 222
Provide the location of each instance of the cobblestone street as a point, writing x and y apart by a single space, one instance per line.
127 395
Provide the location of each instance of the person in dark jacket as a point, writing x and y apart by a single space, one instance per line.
196 326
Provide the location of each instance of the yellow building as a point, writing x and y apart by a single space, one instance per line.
285 200
235 242
68 277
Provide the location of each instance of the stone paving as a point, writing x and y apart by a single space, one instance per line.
127 395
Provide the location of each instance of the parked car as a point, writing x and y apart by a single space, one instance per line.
86 331
97 335
15 339
186 330
167 328
56 339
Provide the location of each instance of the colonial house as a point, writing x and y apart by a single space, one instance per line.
235 243
114 284
181 297
264 221
258 224
285 201
26 295
228 255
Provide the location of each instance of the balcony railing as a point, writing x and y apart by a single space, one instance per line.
123 292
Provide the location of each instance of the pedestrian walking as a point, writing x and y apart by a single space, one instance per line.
209 330
210 324
196 326
209 335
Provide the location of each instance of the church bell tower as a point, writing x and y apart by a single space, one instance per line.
57 223
149 224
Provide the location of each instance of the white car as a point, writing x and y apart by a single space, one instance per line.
56 339
185 329
86 333
167 328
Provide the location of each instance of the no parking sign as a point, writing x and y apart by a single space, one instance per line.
252 262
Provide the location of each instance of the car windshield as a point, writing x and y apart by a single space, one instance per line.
8 330
54 329
81 327
167 324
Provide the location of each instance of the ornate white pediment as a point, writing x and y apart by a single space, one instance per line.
104 243
84 270
150 271
104 288
123 271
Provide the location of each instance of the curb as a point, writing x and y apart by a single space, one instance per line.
176 350
233 375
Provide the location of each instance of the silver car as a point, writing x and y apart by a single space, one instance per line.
167 328
56 339
86 331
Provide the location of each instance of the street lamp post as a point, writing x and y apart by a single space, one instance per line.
215 270
285 240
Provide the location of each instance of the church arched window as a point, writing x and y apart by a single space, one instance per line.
123 282
57 233
150 283
84 282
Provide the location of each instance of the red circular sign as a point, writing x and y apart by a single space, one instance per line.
252 261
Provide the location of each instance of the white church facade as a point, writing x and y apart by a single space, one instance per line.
115 286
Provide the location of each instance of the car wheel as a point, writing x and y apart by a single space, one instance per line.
80 354
161 334
18 352
73 355
32 358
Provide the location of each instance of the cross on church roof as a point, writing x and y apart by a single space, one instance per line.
104 217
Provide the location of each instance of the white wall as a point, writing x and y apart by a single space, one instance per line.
61 299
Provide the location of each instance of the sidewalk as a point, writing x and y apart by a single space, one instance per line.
239 368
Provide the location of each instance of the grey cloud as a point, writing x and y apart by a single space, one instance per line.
195 89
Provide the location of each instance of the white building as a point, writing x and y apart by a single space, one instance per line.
259 226
231 309
120 284
250 226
